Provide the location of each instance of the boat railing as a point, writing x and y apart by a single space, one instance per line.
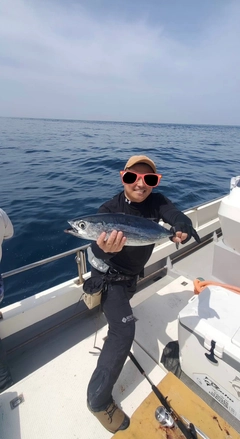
206 213
80 259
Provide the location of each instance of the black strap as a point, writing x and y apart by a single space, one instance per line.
114 275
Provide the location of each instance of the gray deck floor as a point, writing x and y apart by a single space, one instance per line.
53 373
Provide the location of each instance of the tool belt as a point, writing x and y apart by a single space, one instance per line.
95 285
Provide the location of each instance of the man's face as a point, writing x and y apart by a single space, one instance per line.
138 191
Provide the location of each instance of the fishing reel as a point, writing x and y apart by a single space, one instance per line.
164 417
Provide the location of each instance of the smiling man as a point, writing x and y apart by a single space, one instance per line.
122 265
139 179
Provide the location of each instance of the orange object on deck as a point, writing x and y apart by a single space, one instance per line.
199 285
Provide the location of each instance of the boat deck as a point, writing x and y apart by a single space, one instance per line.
52 372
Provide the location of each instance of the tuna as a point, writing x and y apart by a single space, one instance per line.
138 231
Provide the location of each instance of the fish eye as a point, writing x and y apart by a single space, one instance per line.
82 225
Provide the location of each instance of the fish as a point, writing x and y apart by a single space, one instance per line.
139 231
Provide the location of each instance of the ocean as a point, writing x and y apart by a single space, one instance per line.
55 170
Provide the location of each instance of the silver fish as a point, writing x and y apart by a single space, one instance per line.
138 231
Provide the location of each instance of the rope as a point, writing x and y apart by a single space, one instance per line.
199 285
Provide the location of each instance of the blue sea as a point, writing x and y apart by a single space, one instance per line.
55 170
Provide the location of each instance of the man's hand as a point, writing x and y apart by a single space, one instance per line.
183 232
179 237
113 244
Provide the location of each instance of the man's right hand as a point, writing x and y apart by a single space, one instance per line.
113 244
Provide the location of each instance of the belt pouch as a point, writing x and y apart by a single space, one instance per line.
92 291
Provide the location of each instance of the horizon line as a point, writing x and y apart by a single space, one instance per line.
115 121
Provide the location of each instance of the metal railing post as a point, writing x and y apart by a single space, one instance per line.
81 264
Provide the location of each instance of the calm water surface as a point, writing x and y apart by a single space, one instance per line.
54 170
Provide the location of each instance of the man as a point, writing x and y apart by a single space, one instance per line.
6 231
139 178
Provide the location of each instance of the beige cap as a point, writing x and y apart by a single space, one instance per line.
140 159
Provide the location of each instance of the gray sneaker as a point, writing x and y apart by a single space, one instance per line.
112 418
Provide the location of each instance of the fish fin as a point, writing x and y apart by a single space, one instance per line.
196 236
176 243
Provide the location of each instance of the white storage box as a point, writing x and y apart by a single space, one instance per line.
229 216
209 344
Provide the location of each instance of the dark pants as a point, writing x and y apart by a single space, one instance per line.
118 312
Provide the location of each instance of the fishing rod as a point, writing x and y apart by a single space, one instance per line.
189 432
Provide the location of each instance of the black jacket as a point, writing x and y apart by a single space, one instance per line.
131 260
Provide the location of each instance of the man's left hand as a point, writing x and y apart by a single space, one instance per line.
179 237
183 232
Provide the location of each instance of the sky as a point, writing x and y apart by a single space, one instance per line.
162 61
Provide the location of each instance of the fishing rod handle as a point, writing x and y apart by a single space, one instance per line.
198 431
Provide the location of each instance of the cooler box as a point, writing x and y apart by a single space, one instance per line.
209 344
